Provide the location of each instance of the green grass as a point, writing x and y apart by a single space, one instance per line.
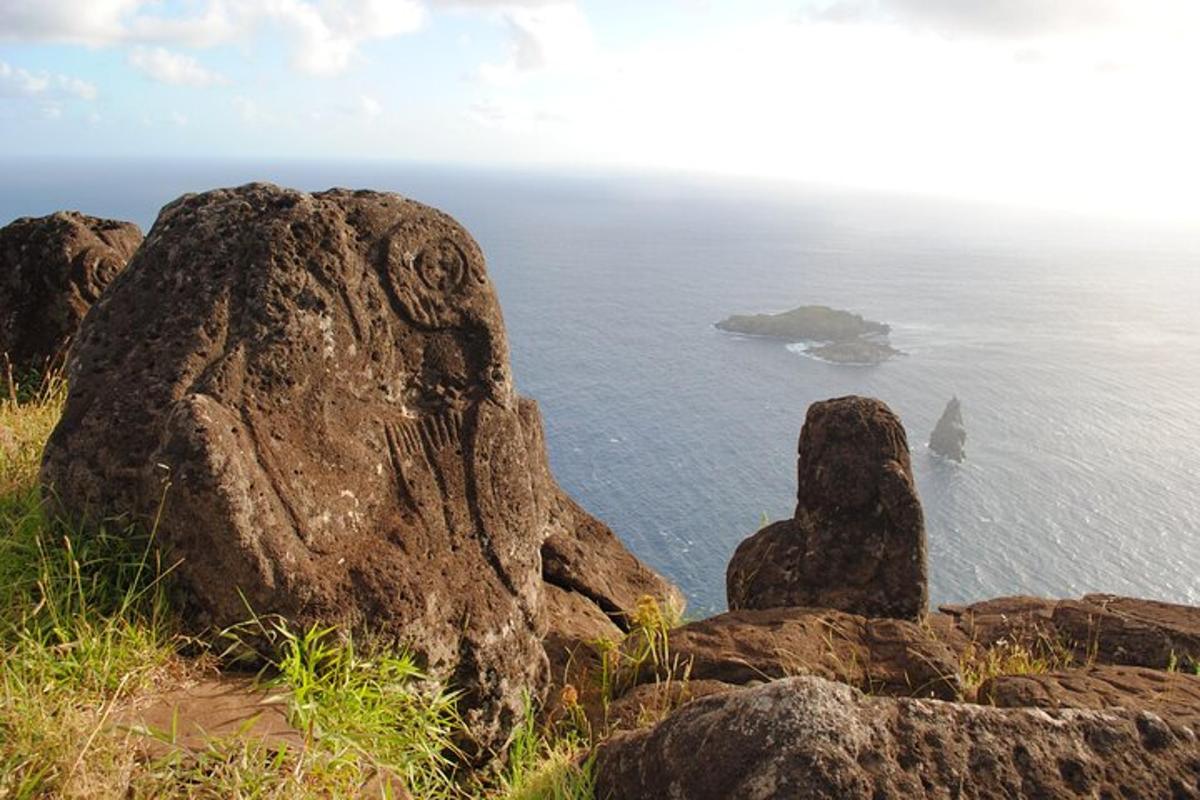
86 630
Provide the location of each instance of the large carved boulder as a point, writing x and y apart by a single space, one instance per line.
52 269
812 739
857 541
317 390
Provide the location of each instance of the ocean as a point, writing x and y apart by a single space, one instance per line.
1073 343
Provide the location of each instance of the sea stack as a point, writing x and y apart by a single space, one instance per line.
857 540
315 389
52 269
949 437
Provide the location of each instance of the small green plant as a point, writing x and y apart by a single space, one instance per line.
545 768
379 712
87 633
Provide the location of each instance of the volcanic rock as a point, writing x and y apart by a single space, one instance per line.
808 739
52 269
857 541
317 390
1173 695
1097 628
883 656
949 437
583 555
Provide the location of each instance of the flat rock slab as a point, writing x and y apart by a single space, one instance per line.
1098 628
885 656
811 739
212 711
1173 695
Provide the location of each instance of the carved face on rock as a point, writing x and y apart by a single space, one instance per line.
439 284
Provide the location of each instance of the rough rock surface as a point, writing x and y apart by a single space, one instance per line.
949 437
52 269
1099 628
584 556
807 738
884 656
857 541
1173 695
317 388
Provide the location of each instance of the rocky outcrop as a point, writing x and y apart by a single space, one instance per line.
317 389
857 541
883 656
584 556
810 738
1173 695
52 269
1097 628
949 437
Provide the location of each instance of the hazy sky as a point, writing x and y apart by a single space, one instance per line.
1080 103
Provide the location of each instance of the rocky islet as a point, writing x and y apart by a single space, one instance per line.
828 334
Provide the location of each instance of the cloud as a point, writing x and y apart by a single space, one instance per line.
327 34
89 22
992 18
18 82
166 66
323 36
541 35
369 107
249 111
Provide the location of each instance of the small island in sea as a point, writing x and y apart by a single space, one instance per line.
830 334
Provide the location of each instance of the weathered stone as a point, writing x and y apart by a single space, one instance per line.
584 556
1101 629
810 739
52 269
884 656
575 626
857 541
949 437
1014 619
1173 695
1133 630
317 390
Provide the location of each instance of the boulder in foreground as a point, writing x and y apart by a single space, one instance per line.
317 389
810 739
52 269
857 540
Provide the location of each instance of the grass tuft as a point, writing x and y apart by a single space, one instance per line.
86 633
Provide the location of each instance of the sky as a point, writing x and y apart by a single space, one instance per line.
1081 104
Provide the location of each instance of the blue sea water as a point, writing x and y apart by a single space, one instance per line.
1074 345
